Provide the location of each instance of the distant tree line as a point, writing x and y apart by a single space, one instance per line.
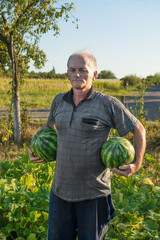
36 75
49 75
129 80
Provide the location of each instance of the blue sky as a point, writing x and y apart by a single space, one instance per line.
123 35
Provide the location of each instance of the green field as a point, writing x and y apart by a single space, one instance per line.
39 93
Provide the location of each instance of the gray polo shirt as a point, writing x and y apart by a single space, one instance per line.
81 131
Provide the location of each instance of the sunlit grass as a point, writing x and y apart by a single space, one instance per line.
39 93
34 93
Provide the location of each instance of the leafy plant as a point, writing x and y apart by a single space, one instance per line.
24 201
6 132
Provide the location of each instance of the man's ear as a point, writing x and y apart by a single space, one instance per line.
95 75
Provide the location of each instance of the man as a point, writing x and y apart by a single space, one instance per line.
80 200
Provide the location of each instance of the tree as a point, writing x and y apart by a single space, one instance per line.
106 75
22 24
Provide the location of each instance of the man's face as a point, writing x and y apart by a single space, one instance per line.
80 72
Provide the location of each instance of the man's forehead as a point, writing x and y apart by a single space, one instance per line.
78 60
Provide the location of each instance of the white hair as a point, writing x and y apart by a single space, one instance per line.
84 53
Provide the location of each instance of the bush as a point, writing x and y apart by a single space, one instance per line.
106 75
153 80
130 80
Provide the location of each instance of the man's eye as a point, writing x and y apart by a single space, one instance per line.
83 70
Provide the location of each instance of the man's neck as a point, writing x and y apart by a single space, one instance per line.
79 95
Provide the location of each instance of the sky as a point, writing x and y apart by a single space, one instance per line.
123 35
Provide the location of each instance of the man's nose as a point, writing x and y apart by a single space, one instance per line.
77 73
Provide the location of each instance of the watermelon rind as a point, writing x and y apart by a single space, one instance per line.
117 151
44 144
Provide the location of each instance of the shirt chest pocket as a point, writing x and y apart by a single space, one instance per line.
89 124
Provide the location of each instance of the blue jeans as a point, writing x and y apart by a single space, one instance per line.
89 220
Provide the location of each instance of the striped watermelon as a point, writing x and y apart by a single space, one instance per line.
44 144
117 151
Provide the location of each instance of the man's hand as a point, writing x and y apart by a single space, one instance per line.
139 145
34 159
126 170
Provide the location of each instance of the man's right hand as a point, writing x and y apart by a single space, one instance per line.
34 159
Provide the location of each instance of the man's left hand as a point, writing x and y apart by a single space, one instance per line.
126 170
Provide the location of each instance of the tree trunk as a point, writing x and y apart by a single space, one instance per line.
16 97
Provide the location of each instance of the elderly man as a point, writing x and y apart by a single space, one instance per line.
80 200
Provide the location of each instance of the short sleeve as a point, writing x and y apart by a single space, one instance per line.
54 105
122 119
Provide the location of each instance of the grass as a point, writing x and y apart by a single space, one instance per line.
114 88
39 93
34 93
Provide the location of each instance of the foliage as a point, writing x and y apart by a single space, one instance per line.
47 75
130 80
6 133
27 21
6 130
104 74
153 79
5 73
24 201
139 103
137 202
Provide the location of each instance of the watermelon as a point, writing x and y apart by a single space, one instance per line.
44 144
117 151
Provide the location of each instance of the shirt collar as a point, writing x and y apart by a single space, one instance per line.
68 97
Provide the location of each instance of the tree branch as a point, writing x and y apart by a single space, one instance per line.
22 13
3 38
3 17
3 50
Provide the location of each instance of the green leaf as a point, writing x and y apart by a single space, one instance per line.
34 215
27 180
149 158
122 226
13 207
10 227
45 215
32 236
2 237
151 225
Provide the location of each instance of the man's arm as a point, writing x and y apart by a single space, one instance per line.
140 146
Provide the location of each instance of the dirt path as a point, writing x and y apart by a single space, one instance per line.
151 105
